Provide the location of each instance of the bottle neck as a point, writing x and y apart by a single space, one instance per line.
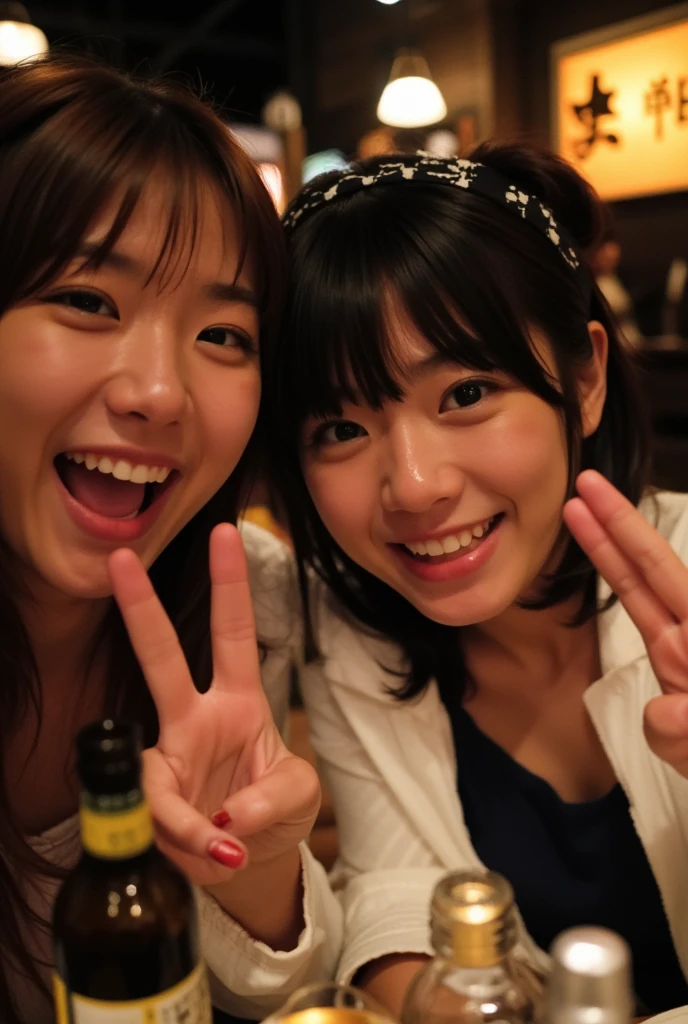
474 945
115 826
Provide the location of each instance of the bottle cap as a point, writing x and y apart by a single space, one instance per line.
109 756
473 919
591 978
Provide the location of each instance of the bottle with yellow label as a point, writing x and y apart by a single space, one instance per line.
125 932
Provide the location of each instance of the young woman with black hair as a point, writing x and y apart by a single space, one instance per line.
500 604
141 285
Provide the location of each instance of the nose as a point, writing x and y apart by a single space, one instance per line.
149 378
419 470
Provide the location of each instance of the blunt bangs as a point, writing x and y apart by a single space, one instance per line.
350 268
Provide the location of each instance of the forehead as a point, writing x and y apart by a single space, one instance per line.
176 233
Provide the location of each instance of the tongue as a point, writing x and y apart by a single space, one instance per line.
102 492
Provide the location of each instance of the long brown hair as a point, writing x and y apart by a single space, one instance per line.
75 135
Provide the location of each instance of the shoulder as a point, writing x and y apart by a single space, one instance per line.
274 590
667 511
352 656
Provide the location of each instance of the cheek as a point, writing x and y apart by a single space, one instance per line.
343 498
43 373
228 417
525 456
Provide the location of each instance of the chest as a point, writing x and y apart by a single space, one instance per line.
552 735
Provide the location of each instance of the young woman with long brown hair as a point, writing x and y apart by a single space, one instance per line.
141 283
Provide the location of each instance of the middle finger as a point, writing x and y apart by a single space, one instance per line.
638 540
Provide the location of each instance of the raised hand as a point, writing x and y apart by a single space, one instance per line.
222 787
651 581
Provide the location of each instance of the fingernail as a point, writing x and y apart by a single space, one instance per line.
227 854
220 819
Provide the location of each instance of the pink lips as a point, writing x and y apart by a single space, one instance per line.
116 531
454 568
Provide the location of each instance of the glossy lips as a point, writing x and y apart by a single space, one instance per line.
452 565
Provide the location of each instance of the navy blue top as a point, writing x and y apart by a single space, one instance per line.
569 864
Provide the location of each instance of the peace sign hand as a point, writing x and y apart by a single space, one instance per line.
220 772
651 581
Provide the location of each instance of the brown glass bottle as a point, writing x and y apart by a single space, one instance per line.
124 924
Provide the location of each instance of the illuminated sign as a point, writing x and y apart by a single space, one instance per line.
620 104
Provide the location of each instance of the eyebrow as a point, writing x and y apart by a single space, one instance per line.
217 291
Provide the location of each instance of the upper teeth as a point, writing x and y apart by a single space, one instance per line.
452 542
120 468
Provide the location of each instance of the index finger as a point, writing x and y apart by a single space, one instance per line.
650 553
152 636
232 625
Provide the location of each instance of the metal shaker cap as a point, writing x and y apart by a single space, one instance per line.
590 981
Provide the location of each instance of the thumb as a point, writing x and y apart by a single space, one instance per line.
666 729
287 796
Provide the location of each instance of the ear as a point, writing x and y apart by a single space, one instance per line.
592 380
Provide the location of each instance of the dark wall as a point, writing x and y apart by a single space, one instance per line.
651 230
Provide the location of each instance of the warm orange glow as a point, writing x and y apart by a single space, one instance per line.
274 183
629 135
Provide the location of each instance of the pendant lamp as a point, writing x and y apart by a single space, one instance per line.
19 39
411 99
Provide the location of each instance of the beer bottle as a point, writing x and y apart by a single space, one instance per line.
124 923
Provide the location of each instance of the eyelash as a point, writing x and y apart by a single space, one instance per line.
243 341
476 382
56 297
317 438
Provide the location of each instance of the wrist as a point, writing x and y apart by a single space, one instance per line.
266 899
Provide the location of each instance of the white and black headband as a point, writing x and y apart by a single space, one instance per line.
456 173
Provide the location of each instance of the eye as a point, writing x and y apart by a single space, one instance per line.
84 302
468 393
229 338
337 433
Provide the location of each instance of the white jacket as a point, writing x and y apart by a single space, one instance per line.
392 771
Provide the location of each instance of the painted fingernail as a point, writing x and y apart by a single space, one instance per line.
227 854
220 819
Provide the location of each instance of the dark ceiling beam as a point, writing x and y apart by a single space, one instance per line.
75 26
194 33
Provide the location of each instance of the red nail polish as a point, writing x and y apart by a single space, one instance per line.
220 819
225 853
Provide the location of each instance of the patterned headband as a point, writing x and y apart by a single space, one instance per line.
463 174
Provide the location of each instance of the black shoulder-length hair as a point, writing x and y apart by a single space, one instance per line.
452 258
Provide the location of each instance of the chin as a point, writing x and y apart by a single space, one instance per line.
468 609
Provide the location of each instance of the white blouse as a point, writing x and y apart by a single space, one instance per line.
247 977
392 771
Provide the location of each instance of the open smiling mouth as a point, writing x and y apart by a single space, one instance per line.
452 546
113 488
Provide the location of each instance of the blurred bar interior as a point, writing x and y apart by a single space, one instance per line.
314 83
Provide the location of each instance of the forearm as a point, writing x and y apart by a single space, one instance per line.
267 900
388 978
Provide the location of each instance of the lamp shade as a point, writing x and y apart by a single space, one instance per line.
411 99
19 39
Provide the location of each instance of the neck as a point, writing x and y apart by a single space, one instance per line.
62 630
535 646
